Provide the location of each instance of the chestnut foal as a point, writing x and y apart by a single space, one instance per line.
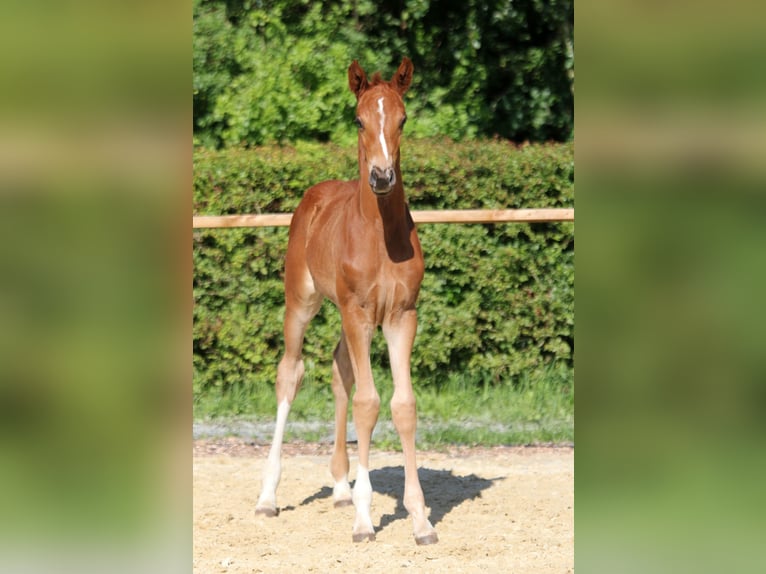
354 242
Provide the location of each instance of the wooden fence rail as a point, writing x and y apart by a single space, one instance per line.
423 216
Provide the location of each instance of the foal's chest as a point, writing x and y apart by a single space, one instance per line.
375 281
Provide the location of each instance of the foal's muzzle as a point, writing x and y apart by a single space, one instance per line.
382 181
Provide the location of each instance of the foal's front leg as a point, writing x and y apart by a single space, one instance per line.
359 329
399 331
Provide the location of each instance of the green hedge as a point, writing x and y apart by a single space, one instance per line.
497 300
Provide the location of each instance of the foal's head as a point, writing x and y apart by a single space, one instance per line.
380 117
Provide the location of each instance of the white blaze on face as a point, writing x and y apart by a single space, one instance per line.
382 123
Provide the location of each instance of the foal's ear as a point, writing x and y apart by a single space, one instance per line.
357 79
403 76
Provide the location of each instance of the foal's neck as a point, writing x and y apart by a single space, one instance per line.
390 209
391 214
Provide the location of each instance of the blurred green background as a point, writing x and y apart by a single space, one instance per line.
671 142
94 393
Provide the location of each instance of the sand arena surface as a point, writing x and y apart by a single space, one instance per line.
505 509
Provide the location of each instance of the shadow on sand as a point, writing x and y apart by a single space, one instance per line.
443 491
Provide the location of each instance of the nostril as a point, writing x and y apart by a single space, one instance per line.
382 179
375 174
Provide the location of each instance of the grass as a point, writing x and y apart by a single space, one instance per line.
538 408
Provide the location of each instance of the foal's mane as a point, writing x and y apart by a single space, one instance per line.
377 79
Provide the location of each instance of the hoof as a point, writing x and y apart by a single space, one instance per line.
266 511
343 502
361 537
427 539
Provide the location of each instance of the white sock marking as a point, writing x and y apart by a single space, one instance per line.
362 497
279 431
273 469
341 490
382 123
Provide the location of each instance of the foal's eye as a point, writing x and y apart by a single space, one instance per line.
358 122
404 121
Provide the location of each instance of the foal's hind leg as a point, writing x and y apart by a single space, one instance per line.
342 381
299 311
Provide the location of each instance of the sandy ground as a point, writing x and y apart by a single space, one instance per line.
508 509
